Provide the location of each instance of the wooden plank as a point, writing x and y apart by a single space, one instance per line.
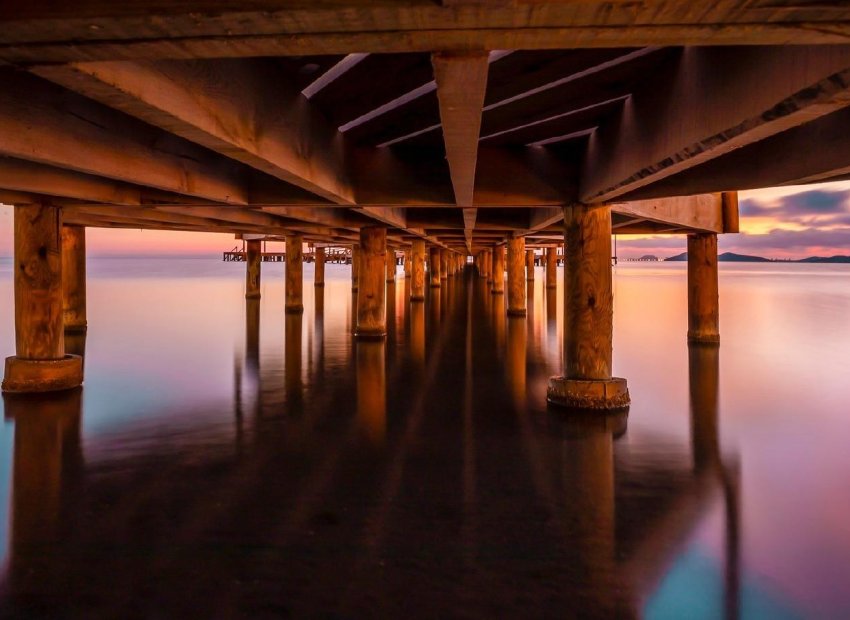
41 123
41 31
713 101
239 108
461 83
26 176
703 212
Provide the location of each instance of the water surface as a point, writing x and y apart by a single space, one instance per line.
227 460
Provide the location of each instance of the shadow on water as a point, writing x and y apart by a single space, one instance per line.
419 476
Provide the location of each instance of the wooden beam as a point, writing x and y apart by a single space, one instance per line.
42 123
93 30
241 108
469 217
703 212
461 83
713 101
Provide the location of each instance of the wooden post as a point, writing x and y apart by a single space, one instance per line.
551 267
319 267
516 273
529 265
444 264
703 302
434 266
253 256
41 364
74 278
417 270
294 273
390 265
355 266
371 308
588 314
488 265
407 256
498 270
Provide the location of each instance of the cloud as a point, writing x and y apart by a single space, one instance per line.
804 205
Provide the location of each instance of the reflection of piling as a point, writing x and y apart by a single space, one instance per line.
292 357
252 336
703 377
372 389
515 361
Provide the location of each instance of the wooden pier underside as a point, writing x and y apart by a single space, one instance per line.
459 122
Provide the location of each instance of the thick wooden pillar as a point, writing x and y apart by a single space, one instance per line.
498 270
355 266
319 264
417 270
407 256
253 258
434 266
74 278
488 265
294 273
371 294
703 298
390 265
516 276
529 265
551 267
41 364
588 314
444 264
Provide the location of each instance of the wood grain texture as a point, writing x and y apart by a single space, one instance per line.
551 268
434 264
39 331
74 277
253 268
498 266
588 298
371 294
529 265
319 266
516 276
355 266
294 268
417 270
703 295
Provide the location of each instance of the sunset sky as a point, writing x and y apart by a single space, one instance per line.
787 222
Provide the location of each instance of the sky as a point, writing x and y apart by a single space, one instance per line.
786 222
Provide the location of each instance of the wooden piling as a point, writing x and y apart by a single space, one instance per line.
41 364
355 266
588 314
417 270
498 275
391 266
551 267
294 273
371 294
319 266
253 257
516 276
434 266
703 297
529 265
444 264
407 256
74 278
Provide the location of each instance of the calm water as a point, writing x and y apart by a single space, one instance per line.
225 460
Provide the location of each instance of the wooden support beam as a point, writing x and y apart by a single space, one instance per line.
469 217
461 84
516 276
241 108
498 274
371 309
50 126
294 273
74 278
253 266
417 270
319 266
713 101
701 212
703 298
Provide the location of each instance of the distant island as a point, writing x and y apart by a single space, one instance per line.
731 257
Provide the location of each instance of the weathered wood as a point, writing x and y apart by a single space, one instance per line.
319 266
355 266
461 84
551 268
703 296
516 276
417 270
252 268
444 264
434 264
700 212
588 298
529 265
74 278
294 274
391 266
712 102
239 107
371 294
372 390
498 266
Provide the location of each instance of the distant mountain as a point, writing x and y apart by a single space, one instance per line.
731 257
726 257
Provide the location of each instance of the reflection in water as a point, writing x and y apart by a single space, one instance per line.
480 501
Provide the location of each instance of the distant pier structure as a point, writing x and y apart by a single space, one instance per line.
429 134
